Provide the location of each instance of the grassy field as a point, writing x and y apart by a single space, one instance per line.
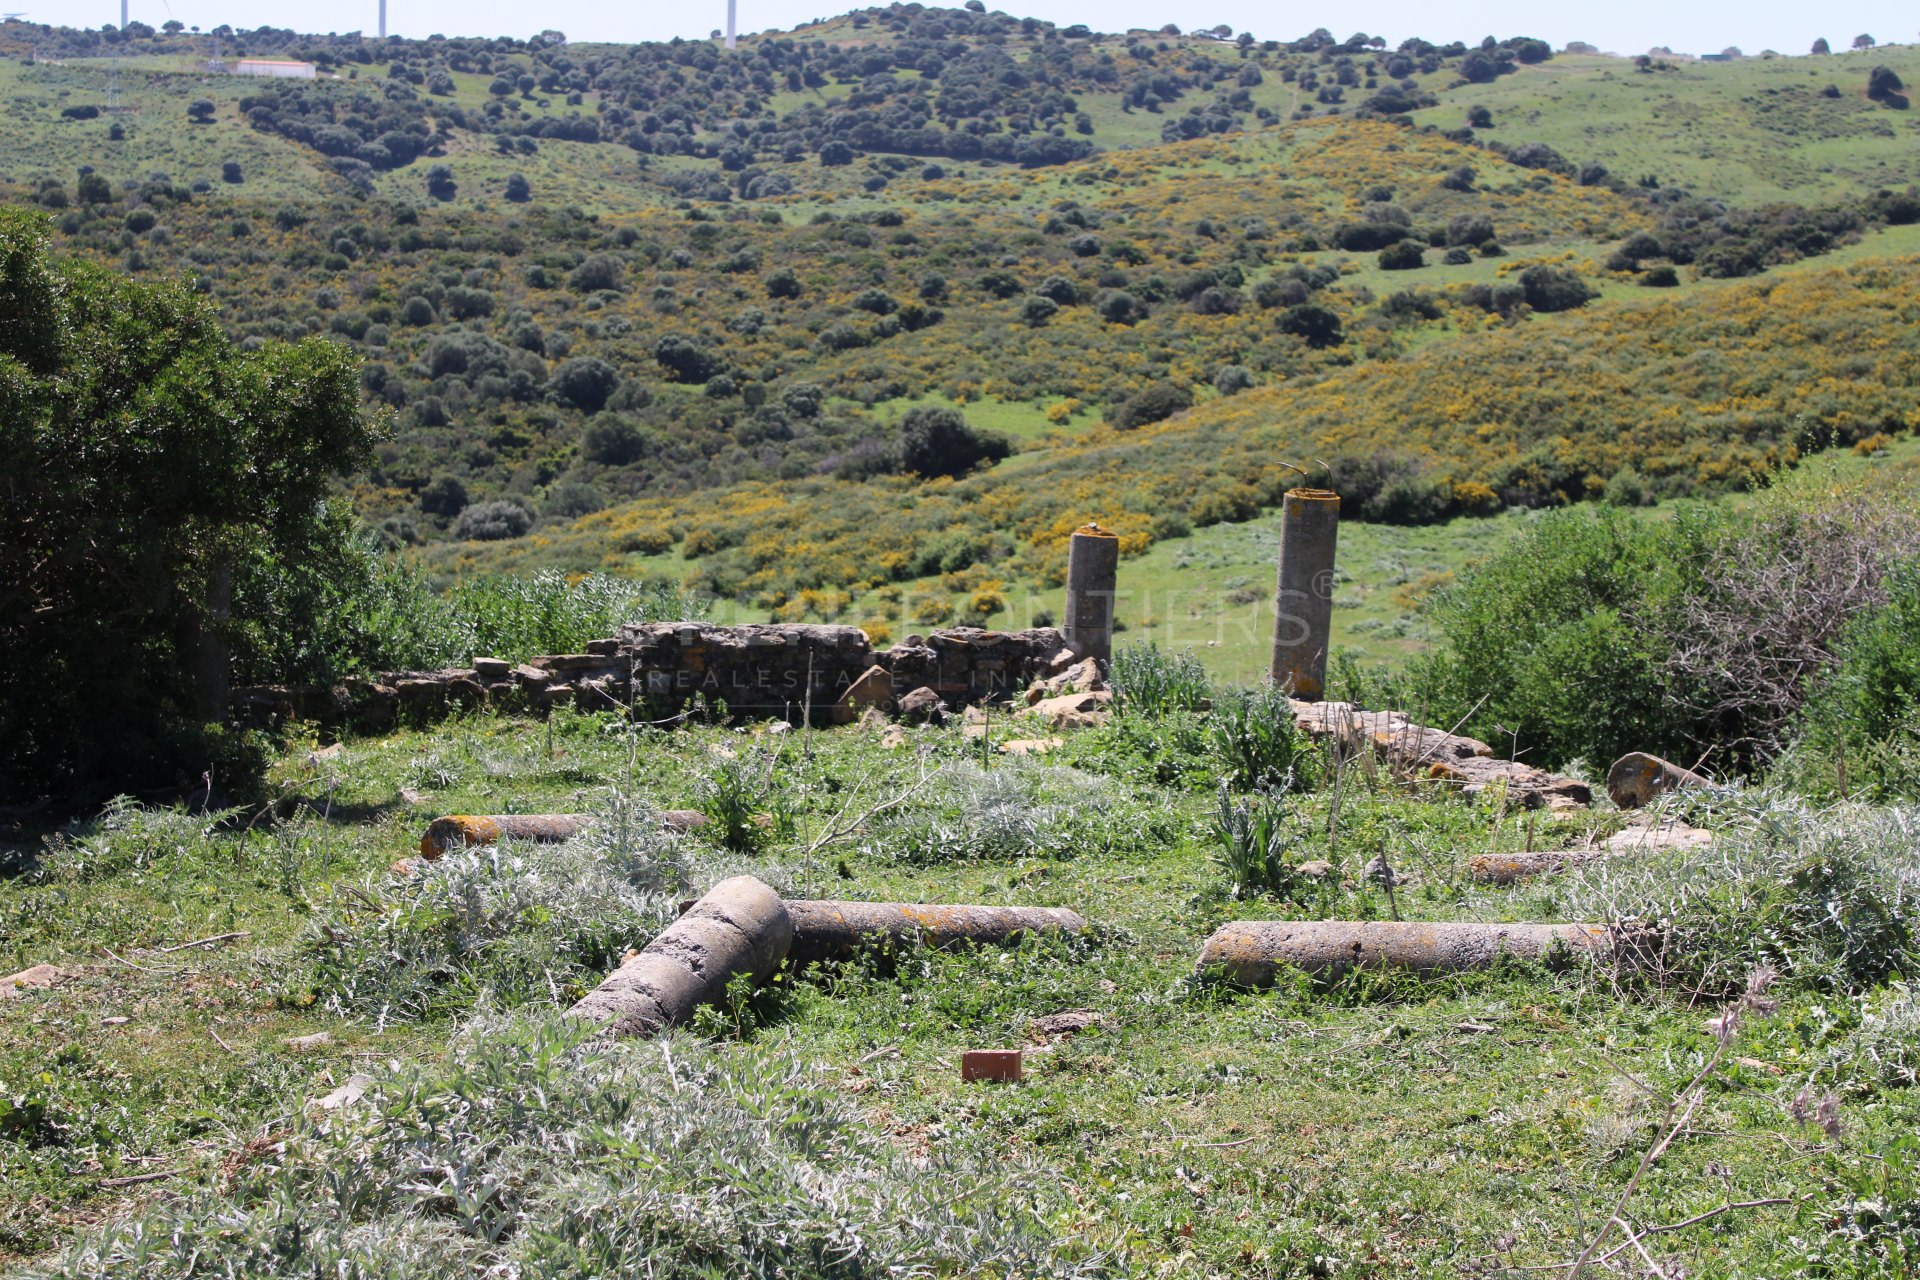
1466 1125
1752 131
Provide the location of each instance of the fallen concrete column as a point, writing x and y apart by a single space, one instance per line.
828 930
1093 568
1638 779
1641 836
1249 953
1303 619
462 830
740 926
1507 868
465 830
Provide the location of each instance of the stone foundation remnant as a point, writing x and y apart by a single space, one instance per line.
1637 779
660 669
740 926
1303 621
1251 953
830 930
1093 570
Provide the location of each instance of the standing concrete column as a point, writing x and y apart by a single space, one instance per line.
1093 567
1309 527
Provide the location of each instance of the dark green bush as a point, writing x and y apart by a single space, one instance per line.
1258 744
1404 255
493 521
151 464
1156 403
937 441
1861 728
1548 648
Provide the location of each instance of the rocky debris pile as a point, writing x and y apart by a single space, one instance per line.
41 977
1434 753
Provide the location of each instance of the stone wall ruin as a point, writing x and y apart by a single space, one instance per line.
756 671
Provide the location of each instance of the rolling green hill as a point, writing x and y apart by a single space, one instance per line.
664 290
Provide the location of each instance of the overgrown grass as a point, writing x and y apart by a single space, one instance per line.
1189 1129
1828 897
499 926
1151 682
537 1151
370 610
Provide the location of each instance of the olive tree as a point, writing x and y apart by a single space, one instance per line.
159 483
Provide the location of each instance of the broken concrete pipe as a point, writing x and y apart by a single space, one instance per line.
1637 779
1093 567
829 930
740 926
1250 953
468 830
1303 620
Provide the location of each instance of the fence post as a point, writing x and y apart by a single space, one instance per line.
1303 603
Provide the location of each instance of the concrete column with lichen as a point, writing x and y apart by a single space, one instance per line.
1093 568
1303 602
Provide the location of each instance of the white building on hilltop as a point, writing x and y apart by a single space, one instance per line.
273 67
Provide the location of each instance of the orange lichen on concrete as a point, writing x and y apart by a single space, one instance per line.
465 830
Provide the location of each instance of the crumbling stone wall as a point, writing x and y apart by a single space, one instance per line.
756 670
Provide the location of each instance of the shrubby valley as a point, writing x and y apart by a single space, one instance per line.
665 658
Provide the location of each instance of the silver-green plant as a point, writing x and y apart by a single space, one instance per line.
505 925
539 1150
1256 837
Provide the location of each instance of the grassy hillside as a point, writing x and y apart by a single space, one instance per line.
1751 132
686 299
1700 393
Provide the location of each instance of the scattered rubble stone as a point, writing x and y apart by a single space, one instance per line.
1437 754
347 1094
923 706
872 691
1068 1023
1074 710
991 1064
1648 835
41 977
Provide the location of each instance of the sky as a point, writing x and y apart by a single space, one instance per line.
1627 26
